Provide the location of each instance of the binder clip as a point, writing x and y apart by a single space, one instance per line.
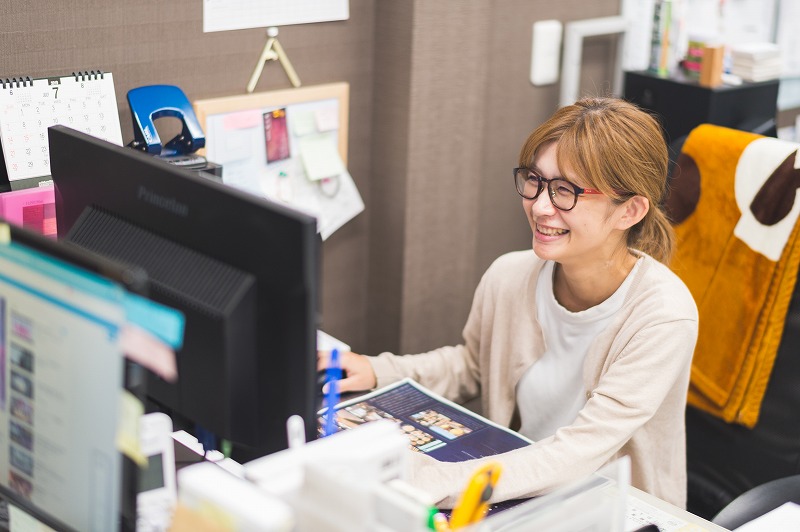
152 102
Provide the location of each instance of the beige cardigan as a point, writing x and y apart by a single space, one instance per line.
635 375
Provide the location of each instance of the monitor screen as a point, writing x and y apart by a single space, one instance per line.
62 375
242 269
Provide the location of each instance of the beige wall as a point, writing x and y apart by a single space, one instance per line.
441 191
440 104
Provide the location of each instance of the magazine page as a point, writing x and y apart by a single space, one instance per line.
435 426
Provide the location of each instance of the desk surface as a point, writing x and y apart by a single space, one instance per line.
643 508
641 503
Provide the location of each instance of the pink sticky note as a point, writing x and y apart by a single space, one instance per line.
327 118
148 351
242 120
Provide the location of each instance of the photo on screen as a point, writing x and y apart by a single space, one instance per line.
21 435
21 384
22 409
21 460
21 357
20 484
21 327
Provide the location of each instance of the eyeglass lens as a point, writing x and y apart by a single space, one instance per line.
561 192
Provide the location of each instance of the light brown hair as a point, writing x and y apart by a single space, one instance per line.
619 149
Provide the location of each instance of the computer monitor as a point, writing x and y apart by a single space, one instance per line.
242 269
62 376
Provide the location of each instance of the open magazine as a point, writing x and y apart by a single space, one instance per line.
435 426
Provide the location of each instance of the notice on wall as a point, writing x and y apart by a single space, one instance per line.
224 15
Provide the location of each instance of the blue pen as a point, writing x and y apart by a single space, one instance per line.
334 373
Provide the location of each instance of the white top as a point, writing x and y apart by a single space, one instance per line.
551 393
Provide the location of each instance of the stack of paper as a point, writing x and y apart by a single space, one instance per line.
759 61
781 518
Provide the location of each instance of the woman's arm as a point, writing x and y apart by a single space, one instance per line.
643 376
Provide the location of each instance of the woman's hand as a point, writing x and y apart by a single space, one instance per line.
356 368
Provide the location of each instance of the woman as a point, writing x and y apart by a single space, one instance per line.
583 343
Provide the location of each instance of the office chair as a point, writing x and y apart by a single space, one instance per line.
758 501
726 459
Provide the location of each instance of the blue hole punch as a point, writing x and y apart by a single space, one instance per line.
151 102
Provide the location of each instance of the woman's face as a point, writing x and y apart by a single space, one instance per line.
581 236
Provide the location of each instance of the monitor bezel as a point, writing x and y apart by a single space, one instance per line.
181 206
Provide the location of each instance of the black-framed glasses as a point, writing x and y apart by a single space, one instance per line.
563 194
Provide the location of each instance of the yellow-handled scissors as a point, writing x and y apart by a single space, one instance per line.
474 501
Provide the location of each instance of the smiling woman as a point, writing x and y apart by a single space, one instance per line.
561 337
615 147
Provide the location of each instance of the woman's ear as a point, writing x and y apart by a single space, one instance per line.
633 210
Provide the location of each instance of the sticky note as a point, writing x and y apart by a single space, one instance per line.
321 157
5 233
303 122
241 120
327 118
147 350
130 410
165 323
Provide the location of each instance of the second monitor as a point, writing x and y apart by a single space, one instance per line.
243 270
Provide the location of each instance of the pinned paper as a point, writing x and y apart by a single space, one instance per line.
327 118
303 122
320 157
238 147
131 410
326 342
336 211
